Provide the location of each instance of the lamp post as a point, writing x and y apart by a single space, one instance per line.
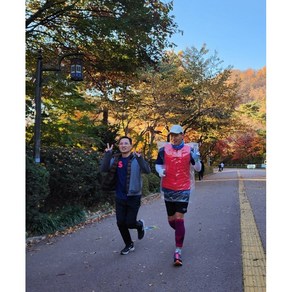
76 72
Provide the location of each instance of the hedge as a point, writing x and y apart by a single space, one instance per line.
65 186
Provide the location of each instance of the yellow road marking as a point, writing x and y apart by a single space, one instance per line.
253 255
235 179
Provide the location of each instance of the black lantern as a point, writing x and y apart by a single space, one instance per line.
76 69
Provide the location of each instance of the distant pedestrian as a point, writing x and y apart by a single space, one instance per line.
222 166
124 171
201 172
173 166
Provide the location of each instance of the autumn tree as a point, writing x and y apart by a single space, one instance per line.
187 88
247 144
198 94
116 37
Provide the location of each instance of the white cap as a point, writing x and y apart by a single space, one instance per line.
176 129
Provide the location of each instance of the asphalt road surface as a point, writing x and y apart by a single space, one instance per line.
89 259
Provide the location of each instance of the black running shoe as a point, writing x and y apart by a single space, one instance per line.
128 248
141 230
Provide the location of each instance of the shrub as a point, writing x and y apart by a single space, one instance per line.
74 177
40 224
46 223
106 134
37 189
154 183
66 183
151 184
70 216
145 186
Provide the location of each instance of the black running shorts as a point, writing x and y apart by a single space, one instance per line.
173 207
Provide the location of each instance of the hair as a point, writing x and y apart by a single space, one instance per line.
125 137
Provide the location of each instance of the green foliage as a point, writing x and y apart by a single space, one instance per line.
116 38
251 109
37 191
60 188
154 183
106 134
41 223
66 183
145 188
151 184
37 188
114 35
46 223
74 177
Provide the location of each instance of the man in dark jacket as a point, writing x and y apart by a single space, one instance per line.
126 168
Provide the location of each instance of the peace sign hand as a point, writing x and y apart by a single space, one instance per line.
109 148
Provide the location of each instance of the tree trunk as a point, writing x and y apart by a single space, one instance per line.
105 116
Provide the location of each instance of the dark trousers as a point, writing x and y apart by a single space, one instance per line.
200 175
126 214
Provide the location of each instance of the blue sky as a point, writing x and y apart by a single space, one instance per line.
236 29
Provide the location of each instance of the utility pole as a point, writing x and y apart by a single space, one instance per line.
38 111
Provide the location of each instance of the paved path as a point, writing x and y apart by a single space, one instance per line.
89 260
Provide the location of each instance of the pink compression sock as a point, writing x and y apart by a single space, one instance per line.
179 232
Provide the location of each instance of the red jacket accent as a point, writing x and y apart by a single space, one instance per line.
177 168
